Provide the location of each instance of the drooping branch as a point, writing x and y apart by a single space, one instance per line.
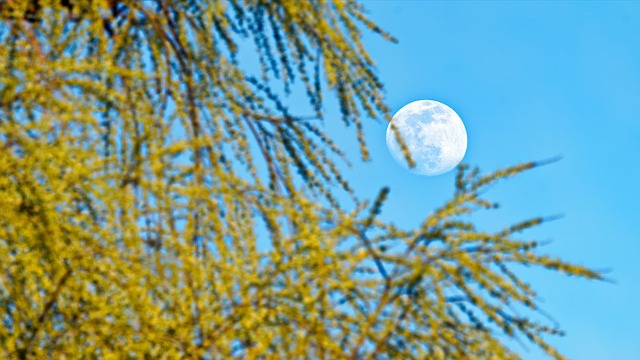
32 11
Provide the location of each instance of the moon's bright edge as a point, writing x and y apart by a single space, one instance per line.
434 134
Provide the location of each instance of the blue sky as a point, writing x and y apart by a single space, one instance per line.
531 81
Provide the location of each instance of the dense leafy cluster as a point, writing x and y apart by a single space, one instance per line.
158 200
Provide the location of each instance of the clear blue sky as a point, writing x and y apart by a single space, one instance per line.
531 81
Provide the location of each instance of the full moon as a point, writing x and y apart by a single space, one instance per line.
434 135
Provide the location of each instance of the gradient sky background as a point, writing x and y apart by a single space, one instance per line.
530 81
